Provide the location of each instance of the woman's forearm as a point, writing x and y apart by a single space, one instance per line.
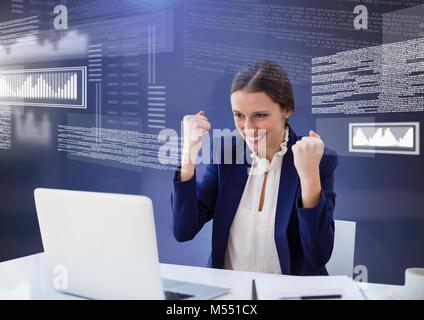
187 172
311 190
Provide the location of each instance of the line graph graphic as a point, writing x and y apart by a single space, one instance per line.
64 87
384 137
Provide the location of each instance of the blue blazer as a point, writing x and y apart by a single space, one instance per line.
304 237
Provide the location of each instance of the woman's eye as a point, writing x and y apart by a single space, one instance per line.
261 115
237 115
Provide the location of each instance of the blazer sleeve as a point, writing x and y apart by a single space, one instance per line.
316 225
193 204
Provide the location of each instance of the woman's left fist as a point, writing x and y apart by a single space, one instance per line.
307 154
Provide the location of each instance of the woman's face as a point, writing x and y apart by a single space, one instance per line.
254 111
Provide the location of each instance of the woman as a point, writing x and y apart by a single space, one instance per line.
275 216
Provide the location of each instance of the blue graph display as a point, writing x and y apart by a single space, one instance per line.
49 87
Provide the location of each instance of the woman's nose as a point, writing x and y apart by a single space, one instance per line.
249 126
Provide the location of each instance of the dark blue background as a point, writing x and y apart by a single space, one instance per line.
383 194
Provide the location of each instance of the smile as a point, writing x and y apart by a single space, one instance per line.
254 139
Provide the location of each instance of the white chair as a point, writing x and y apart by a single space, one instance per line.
341 261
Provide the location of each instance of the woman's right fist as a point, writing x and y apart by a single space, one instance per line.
194 127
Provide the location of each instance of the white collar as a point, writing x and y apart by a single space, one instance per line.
263 163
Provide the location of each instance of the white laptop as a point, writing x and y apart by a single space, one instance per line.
106 243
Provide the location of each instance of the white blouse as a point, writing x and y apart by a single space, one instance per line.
251 245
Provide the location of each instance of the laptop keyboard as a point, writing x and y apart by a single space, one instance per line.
170 295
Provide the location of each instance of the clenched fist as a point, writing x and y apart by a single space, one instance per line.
194 127
307 154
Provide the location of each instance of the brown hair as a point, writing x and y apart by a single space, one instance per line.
269 77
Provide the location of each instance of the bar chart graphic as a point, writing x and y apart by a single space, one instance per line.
385 137
64 87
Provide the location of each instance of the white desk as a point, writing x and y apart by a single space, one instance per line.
26 278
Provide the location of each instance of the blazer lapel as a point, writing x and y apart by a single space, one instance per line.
229 200
287 192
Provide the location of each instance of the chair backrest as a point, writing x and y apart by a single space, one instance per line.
341 261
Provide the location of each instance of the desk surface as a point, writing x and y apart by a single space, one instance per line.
26 278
